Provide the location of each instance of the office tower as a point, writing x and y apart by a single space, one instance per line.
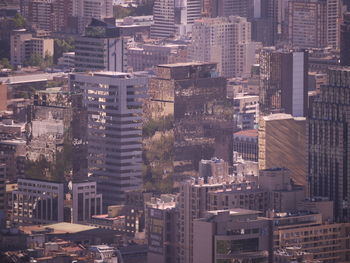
283 81
196 98
114 134
345 40
102 48
86 10
24 46
282 143
245 144
328 144
246 111
307 23
226 41
162 229
86 201
37 202
334 13
173 17
235 235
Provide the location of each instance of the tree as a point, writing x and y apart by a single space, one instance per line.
62 46
5 63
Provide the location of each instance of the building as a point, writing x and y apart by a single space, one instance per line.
37 202
13 153
86 201
114 111
148 56
86 10
214 167
283 81
3 199
334 16
172 17
3 97
328 158
282 143
246 111
236 235
102 48
24 46
345 40
226 41
307 23
196 96
67 61
283 194
162 229
326 242
245 144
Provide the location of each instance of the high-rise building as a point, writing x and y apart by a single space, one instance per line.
334 13
86 201
226 41
85 10
162 229
307 23
283 81
102 48
114 110
173 17
37 202
282 143
235 235
345 40
245 144
3 204
195 96
328 143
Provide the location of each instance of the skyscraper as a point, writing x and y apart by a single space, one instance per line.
196 96
114 109
173 17
101 48
345 40
283 81
225 40
307 23
329 142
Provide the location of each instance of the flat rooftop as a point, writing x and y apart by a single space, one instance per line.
186 64
59 228
248 133
236 212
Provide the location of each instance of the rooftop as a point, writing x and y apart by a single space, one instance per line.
185 64
249 133
235 212
59 228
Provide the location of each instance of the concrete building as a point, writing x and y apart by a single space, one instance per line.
147 56
3 97
327 154
226 41
67 61
13 153
307 23
334 17
283 81
86 10
236 235
283 194
114 111
37 202
213 168
174 17
282 143
86 201
102 48
246 111
306 230
162 229
245 144
24 45
196 96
